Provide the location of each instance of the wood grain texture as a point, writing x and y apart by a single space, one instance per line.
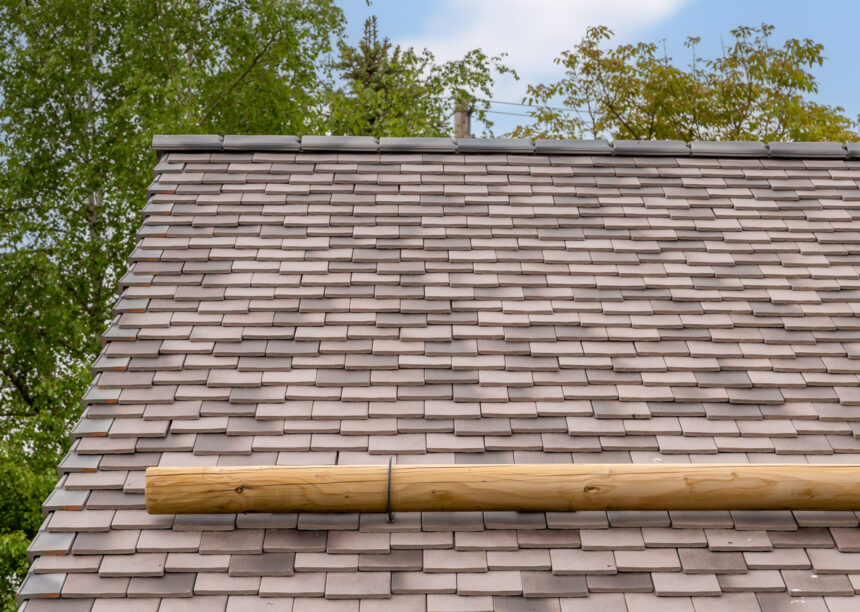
193 490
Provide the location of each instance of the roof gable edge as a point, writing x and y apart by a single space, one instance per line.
366 144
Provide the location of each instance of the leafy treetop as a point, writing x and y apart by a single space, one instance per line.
386 90
753 91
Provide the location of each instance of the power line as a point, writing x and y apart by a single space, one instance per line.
506 113
555 108
510 103
520 104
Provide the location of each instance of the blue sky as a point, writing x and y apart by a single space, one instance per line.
533 32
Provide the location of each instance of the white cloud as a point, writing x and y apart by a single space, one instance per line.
532 32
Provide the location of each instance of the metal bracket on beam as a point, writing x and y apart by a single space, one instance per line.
388 509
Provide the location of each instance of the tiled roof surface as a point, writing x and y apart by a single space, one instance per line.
343 307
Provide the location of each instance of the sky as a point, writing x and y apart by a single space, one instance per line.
534 32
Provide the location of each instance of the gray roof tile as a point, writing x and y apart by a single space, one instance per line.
704 561
673 584
772 602
267 564
420 582
186 142
620 583
650 147
50 544
443 561
48 564
41 586
658 559
756 581
728 149
491 145
453 603
547 584
194 562
800 583
573 561
829 561
168 585
216 584
807 150
326 605
339 143
253 603
116 542
155 540
62 605
310 584
88 585
144 564
240 541
411 145
406 603
354 585
572 147
138 604
217 603
81 520
260 143
491 583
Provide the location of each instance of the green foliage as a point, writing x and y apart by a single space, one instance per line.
13 566
23 489
389 91
753 91
83 86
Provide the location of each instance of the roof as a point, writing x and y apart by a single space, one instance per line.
345 300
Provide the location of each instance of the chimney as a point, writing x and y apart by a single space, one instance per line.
463 118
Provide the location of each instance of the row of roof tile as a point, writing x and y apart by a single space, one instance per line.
368 144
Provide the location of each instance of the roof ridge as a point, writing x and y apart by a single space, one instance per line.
369 144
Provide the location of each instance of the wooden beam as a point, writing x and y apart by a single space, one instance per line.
463 107
538 487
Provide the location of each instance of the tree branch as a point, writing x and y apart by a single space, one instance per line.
240 78
19 386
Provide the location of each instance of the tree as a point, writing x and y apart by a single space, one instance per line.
388 91
753 91
83 86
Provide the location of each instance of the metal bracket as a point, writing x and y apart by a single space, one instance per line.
388 510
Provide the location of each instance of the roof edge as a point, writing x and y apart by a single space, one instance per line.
518 146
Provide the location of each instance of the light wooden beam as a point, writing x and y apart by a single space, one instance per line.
537 487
